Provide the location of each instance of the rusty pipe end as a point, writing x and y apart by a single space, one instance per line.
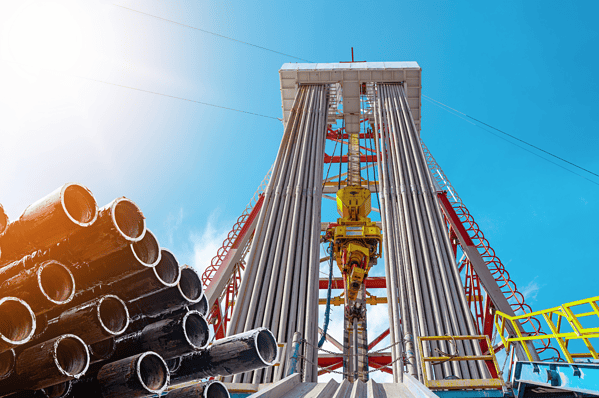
128 219
167 270
190 285
201 306
266 346
113 314
17 322
61 390
71 355
152 372
147 250
196 330
78 204
7 363
215 389
56 282
3 219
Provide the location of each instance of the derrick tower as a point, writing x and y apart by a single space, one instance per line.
352 134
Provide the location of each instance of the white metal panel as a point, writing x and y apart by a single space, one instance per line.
350 75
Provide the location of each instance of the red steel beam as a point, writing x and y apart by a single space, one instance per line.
377 366
373 282
324 361
378 339
343 159
333 135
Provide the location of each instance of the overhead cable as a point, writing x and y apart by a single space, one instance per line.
512 136
175 97
154 92
209 32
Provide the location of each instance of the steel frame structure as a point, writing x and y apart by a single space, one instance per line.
387 114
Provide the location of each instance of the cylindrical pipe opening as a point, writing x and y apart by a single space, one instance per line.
201 306
71 355
167 270
147 250
128 219
17 321
190 285
56 282
196 329
58 391
173 364
113 314
266 345
7 363
152 372
216 389
79 204
102 350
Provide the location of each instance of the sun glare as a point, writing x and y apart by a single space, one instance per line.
45 35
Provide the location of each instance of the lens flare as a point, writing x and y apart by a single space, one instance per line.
45 35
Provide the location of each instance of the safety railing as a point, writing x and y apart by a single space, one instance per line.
554 318
458 384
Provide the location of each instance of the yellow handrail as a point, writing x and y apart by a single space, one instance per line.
565 311
454 384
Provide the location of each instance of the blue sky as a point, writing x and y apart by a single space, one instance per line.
527 68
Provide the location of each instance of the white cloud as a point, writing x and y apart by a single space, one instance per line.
531 290
172 224
207 243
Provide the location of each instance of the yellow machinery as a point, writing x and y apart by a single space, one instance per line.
356 240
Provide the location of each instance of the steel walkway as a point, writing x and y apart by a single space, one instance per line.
292 387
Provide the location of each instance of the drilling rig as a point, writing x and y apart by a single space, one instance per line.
452 304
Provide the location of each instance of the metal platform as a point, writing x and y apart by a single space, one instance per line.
292 387
350 76
579 379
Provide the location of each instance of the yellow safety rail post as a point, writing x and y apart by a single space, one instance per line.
459 384
565 311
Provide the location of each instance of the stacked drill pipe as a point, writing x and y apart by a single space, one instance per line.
279 290
90 305
423 277
210 389
67 210
55 242
232 355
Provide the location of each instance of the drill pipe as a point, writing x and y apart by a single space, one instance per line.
102 351
97 320
7 363
61 390
137 376
173 364
165 274
188 291
49 221
49 363
132 259
201 306
119 224
44 287
235 354
17 323
210 389
169 338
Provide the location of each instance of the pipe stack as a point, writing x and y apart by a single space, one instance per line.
90 305
420 267
279 289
